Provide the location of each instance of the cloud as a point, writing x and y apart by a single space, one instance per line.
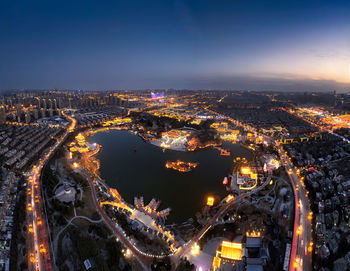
260 83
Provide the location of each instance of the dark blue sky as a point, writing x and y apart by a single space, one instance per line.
279 45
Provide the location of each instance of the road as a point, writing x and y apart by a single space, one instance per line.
37 241
222 211
142 258
301 254
326 128
300 258
145 259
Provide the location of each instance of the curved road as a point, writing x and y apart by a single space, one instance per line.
222 211
38 245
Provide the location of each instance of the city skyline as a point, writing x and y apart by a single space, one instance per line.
289 46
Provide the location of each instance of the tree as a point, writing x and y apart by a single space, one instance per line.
114 250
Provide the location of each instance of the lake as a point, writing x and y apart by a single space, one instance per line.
142 172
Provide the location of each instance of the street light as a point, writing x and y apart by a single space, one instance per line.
195 249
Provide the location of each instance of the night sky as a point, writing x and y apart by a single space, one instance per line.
259 45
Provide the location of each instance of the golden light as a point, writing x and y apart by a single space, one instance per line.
128 253
295 264
309 216
245 170
31 258
232 251
229 198
216 263
253 234
195 249
309 249
75 165
210 201
42 249
299 230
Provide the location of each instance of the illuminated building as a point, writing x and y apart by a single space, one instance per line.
220 127
231 251
255 253
195 249
197 121
117 121
210 201
223 130
270 163
180 165
303 138
114 192
230 136
246 179
227 252
80 139
80 145
176 139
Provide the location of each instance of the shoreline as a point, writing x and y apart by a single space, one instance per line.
176 217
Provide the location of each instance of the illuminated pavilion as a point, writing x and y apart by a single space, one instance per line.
229 252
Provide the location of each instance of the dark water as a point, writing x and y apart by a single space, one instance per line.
142 173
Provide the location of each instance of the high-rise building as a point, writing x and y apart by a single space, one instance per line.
27 117
60 103
2 115
43 112
39 104
36 113
19 110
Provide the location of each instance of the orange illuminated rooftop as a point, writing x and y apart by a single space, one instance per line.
210 201
216 262
245 170
231 251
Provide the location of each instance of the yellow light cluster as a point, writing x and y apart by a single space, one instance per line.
195 249
229 198
117 121
248 171
245 170
253 234
210 201
231 251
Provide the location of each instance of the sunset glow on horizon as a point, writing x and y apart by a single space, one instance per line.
175 44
